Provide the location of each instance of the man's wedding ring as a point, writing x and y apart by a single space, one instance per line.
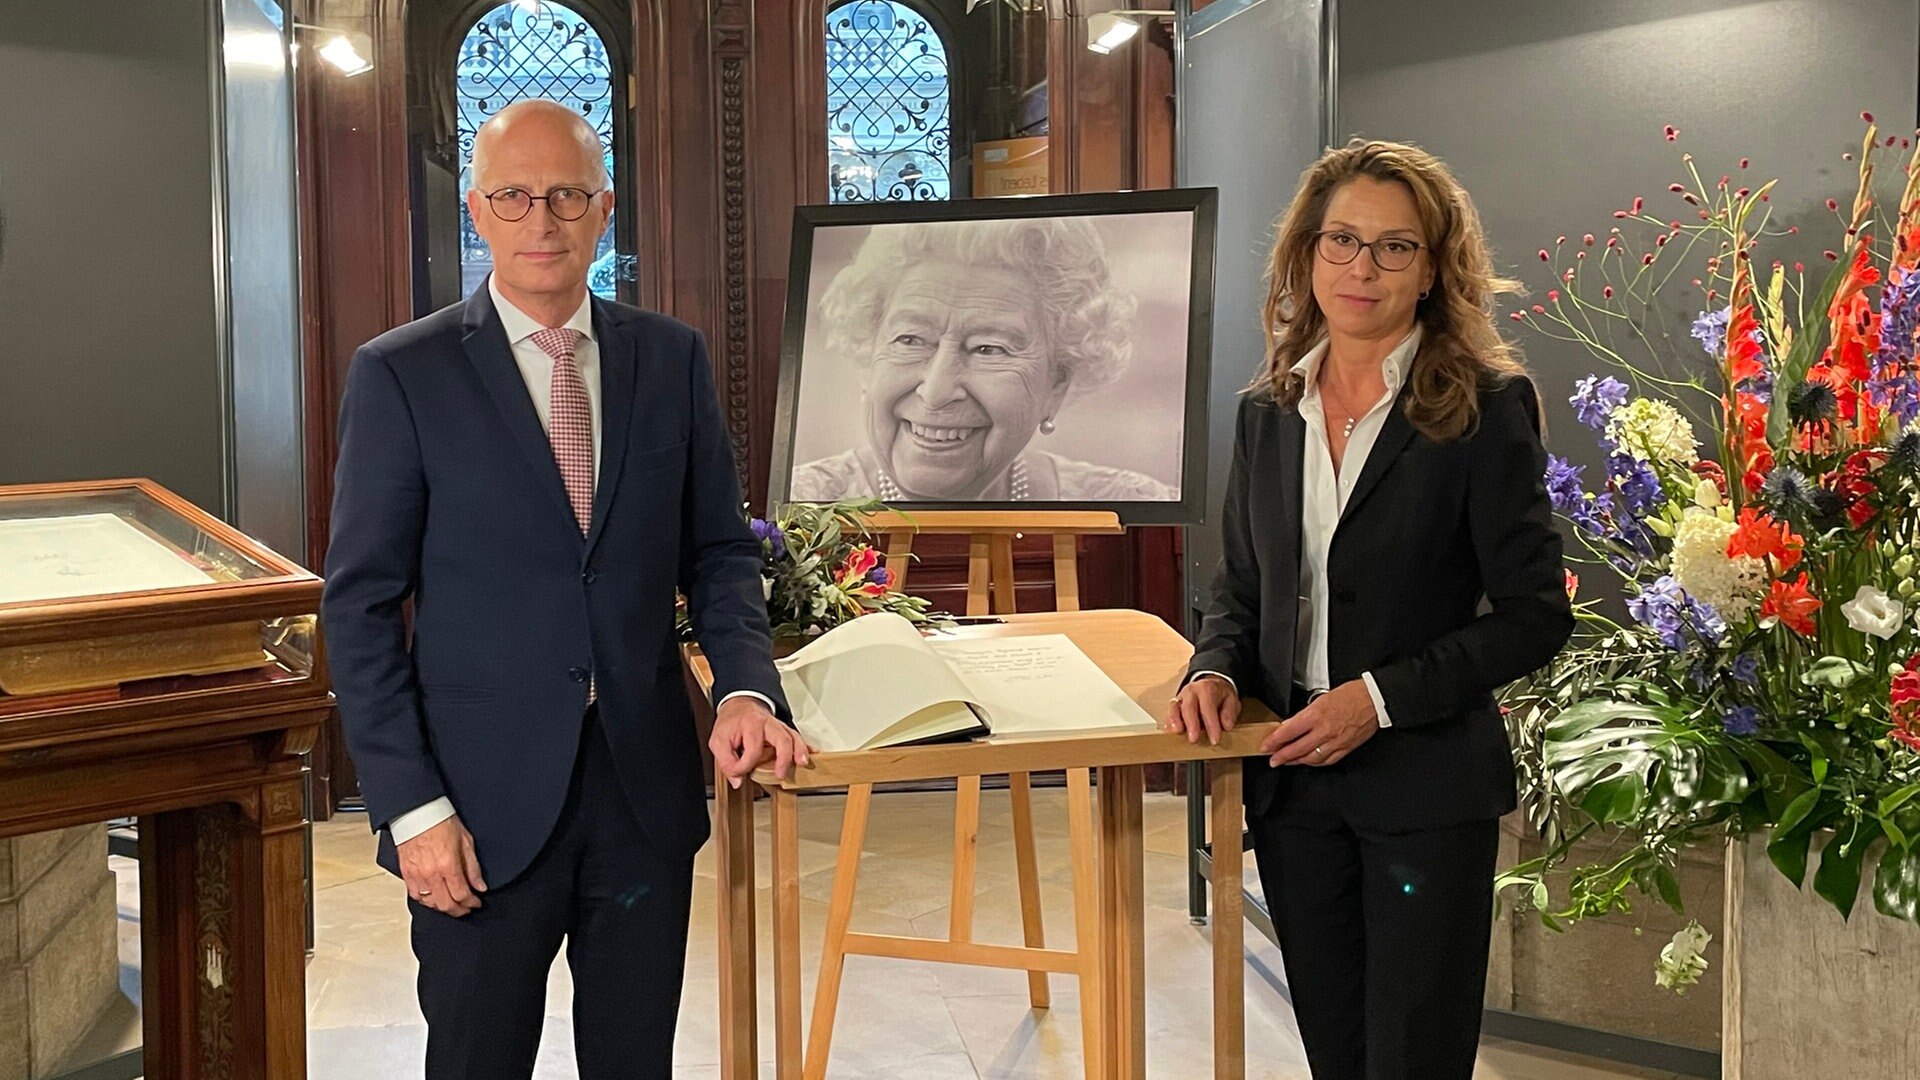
1319 751
424 893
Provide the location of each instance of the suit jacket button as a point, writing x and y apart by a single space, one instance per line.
578 674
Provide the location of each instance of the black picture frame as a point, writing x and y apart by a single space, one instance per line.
803 292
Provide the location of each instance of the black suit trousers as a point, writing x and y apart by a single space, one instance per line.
622 910
1384 934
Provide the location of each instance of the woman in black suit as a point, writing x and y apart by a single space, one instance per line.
1386 479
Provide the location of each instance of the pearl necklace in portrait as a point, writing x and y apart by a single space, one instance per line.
1016 478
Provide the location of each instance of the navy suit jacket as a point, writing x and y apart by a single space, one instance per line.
446 494
1429 531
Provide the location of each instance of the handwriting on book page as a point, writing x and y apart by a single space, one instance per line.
1008 663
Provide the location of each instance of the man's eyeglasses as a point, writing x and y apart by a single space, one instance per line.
565 203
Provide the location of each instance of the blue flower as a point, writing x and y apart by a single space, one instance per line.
1744 720
1636 481
769 533
1710 330
1563 484
1892 385
877 575
1666 608
1594 400
1746 669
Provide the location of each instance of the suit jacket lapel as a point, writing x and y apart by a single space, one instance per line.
618 361
1395 433
485 341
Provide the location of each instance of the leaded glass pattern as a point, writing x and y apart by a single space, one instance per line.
888 105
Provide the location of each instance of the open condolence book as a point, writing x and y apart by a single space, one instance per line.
874 681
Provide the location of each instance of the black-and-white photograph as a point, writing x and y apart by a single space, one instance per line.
1011 352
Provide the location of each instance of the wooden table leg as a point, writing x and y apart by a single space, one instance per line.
1123 924
223 903
1087 913
734 914
1027 869
1229 927
787 1045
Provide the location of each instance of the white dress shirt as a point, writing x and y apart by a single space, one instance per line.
1323 498
536 370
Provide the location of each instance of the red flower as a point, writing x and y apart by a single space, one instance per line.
1761 537
1792 604
1904 699
1573 582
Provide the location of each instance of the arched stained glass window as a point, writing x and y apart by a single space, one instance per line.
533 49
888 104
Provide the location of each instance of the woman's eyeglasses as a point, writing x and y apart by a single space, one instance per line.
1389 252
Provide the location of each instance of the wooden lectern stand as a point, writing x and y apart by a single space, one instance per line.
1147 659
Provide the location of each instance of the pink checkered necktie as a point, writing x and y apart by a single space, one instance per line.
570 424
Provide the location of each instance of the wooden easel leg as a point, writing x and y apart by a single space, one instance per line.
966 851
1229 1005
1086 915
1027 865
833 954
899 557
979 573
1003 603
734 916
1066 572
786 935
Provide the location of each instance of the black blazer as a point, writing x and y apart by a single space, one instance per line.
446 493
1429 530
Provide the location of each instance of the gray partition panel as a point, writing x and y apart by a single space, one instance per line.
107 341
1250 111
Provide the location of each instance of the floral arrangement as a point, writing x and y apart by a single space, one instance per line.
819 568
1760 507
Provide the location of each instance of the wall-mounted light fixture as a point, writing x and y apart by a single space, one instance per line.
349 51
1109 30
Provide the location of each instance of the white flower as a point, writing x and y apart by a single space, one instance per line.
766 588
1730 585
1681 963
1874 612
1706 494
1653 430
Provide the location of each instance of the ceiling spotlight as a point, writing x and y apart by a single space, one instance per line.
1108 31
343 53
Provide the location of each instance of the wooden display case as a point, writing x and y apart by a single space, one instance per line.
157 663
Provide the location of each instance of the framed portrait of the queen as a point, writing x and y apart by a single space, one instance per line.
1028 353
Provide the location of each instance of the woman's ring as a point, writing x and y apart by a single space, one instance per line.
1319 751
424 893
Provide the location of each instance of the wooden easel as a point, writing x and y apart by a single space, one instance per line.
989 591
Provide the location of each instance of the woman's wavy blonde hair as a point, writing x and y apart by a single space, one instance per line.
1461 351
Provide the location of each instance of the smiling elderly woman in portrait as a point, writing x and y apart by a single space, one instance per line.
970 337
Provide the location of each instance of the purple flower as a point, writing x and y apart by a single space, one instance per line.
1563 484
1636 482
1744 720
1892 385
1710 330
1594 400
769 533
1746 669
1666 608
877 575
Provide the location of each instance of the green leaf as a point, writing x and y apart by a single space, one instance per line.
1834 673
1789 856
1838 879
1669 888
1780 783
1898 799
1588 715
1896 885
1616 800
1796 813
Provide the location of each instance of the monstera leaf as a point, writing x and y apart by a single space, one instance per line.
1613 759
